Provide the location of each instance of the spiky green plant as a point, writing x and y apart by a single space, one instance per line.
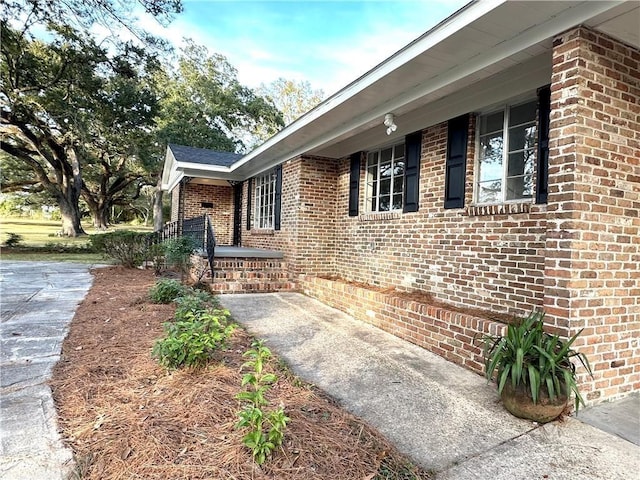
529 356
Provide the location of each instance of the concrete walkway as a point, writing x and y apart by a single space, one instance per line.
445 418
38 300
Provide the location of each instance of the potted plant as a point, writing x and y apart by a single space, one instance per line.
534 370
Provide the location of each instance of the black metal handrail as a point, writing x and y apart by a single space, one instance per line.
199 229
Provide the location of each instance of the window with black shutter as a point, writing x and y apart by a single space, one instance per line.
249 197
456 162
542 176
354 184
278 199
413 144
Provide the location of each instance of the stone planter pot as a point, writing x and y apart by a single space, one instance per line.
519 403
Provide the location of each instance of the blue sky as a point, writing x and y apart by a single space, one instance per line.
328 43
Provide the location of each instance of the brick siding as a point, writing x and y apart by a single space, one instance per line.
222 212
592 272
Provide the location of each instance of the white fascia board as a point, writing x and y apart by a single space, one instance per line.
202 166
172 182
446 28
555 25
169 163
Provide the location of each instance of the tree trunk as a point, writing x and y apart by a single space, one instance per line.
101 218
70 213
158 220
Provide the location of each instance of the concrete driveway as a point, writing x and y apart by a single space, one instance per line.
37 302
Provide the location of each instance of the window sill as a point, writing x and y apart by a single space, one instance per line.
262 232
498 209
374 216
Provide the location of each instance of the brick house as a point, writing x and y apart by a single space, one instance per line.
492 165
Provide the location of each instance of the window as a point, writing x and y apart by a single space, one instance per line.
506 154
265 200
385 179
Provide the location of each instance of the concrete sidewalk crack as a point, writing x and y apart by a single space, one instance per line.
483 452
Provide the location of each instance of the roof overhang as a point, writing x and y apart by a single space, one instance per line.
487 52
174 171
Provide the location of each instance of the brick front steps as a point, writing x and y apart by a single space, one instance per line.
246 274
452 335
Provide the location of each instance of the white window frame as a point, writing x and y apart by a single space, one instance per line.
264 197
505 155
369 197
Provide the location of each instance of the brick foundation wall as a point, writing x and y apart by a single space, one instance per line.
222 212
593 244
453 335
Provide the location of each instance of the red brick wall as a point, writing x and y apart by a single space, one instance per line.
175 202
485 258
222 212
307 233
593 243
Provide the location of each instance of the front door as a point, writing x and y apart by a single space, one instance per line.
237 214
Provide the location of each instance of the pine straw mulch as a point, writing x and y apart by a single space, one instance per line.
125 417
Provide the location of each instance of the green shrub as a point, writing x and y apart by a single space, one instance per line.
191 342
178 253
13 240
194 301
125 246
156 255
166 291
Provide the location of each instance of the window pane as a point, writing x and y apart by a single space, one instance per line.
385 170
397 202
522 113
385 186
385 155
520 163
491 123
384 203
490 192
522 137
398 184
490 169
519 187
372 158
491 146
398 168
399 151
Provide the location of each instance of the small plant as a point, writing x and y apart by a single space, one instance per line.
266 430
126 247
194 301
536 361
191 342
156 254
166 291
13 240
178 253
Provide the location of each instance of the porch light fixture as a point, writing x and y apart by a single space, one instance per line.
389 122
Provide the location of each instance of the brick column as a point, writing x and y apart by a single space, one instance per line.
592 272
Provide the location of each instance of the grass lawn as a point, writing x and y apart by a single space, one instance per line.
40 239
38 233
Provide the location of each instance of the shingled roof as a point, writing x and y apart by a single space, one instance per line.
183 153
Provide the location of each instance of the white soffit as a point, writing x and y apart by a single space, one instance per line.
622 23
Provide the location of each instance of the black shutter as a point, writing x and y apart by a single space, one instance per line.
456 164
354 184
542 178
413 145
277 207
249 197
